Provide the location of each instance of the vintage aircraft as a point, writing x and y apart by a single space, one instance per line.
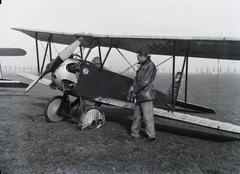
6 82
90 80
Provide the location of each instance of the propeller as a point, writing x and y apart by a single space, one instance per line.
64 55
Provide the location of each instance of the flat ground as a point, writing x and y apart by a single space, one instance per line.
30 145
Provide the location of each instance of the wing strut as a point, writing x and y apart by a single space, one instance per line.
40 70
1 74
37 52
50 47
110 48
185 61
90 49
186 77
173 73
99 52
44 58
81 52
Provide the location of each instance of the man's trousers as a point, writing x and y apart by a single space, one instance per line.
143 110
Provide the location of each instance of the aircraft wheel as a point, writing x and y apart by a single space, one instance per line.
50 111
92 118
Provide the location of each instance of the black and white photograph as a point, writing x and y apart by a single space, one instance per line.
119 87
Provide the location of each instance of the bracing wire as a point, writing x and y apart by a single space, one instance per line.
125 59
128 68
167 59
191 97
183 86
181 83
164 61
44 50
55 49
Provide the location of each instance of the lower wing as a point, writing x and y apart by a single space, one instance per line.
176 116
8 83
43 81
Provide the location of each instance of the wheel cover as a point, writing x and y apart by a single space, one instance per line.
92 118
52 110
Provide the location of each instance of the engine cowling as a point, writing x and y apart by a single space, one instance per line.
63 75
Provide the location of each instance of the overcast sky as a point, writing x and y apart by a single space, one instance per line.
125 17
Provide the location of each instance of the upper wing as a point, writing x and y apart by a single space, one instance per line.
12 52
205 47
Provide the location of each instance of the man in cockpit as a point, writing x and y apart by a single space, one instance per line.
144 91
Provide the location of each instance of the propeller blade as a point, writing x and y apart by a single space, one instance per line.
33 84
64 55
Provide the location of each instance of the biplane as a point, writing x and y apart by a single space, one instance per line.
6 82
78 77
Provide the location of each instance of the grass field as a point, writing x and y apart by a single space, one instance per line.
30 145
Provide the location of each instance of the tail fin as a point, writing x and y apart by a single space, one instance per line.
176 86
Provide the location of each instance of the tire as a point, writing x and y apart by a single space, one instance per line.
92 118
50 112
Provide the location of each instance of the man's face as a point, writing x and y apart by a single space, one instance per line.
141 58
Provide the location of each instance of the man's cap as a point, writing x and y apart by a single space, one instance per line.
143 53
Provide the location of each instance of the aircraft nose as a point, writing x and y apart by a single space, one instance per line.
64 55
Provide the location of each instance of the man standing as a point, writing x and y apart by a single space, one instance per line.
144 91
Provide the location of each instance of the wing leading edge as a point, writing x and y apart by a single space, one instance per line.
203 47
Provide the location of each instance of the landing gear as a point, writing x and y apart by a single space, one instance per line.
60 108
92 118
51 110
